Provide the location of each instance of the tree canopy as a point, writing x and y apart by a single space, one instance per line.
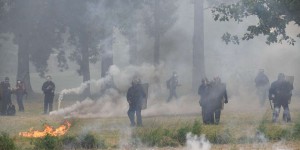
273 18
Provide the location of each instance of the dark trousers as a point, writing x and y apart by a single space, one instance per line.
217 115
48 103
172 94
207 115
286 112
131 114
20 102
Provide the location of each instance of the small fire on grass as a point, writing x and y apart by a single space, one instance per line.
61 130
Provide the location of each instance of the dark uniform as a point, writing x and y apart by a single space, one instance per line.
218 98
135 96
172 84
6 95
262 85
204 102
48 88
20 92
280 92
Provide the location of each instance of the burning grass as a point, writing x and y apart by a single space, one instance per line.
48 130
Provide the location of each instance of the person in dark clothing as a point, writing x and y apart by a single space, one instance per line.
280 93
135 96
48 88
20 91
218 98
262 85
203 91
6 95
172 84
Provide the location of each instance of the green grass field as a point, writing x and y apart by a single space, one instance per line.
237 129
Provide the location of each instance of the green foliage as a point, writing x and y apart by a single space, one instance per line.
197 127
89 141
6 143
162 137
181 134
48 143
156 137
218 136
273 17
296 131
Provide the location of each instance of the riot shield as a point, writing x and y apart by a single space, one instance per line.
145 88
290 79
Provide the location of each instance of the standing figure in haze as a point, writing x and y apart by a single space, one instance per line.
48 88
262 85
203 92
6 96
20 92
280 93
135 96
172 84
219 97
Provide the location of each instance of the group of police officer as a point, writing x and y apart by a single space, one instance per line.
6 106
213 96
280 93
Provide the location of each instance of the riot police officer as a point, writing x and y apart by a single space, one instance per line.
6 95
280 93
48 88
172 84
218 98
135 96
262 85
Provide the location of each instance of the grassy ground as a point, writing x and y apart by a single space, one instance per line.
239 122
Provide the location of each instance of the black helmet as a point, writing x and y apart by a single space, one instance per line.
6 79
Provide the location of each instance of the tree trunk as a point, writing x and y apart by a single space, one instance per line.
156 32
85 66
198 44
23 64
107 57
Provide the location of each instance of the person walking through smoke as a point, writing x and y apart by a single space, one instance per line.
135 96
48 88
172 84
20 91
6 96
280 93
262 85
203 92
218 98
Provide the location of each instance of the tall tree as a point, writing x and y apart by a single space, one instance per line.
159 17
31 22
273 18
198 44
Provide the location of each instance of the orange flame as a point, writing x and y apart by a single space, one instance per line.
61 130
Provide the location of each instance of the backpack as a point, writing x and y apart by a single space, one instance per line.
11 110
168 83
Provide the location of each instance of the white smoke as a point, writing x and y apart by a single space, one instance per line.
113 102
193 142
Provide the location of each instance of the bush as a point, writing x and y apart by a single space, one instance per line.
89 141
197 128
48 143
220 137
6 143
70 142
181 134
296 131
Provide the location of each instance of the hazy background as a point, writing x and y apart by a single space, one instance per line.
237 65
